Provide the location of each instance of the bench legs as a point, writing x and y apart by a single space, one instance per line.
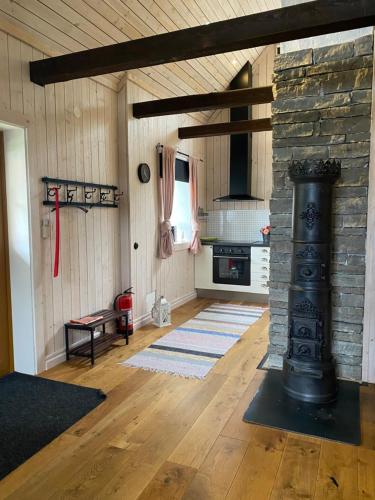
92 348
67 343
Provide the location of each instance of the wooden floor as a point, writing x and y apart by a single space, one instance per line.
163 437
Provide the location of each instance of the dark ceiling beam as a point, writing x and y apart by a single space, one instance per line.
227 128
203 102
265 28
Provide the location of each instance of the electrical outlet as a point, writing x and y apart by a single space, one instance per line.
150 300
45 228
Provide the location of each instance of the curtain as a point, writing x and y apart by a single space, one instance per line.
166 191
195 244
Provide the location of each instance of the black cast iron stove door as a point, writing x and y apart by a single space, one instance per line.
309 368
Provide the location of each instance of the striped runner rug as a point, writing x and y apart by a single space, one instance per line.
192 349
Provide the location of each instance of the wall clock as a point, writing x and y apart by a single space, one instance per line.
144 172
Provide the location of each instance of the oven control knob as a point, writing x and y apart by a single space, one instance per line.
230 250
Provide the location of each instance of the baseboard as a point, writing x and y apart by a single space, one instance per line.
255 298
180 301
59 357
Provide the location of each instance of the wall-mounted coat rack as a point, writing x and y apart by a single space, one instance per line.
82 195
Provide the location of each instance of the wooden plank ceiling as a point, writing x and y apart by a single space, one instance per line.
64 26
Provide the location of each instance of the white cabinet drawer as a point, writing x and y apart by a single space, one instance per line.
260 288
260 277
260 255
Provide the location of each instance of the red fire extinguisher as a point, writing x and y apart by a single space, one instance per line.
124 302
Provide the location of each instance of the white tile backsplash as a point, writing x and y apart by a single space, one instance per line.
237 225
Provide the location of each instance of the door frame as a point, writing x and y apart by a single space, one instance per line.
368 356
3 210
22 289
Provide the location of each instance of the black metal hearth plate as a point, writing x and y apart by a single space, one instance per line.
338 421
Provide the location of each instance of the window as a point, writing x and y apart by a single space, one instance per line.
181 213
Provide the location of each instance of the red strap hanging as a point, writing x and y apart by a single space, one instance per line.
57 236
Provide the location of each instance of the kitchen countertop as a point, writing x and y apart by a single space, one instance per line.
237 243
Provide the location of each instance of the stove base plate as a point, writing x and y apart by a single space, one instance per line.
338 421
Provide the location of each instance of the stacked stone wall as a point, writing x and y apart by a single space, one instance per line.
323 110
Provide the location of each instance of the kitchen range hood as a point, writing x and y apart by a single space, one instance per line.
240 163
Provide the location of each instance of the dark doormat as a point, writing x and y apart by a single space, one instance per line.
338 421
34 411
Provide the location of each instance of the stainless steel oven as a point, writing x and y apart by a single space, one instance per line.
231 264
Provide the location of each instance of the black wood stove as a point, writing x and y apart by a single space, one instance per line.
309 369
306 397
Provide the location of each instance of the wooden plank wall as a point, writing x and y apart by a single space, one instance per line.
173 277
217 149
72 134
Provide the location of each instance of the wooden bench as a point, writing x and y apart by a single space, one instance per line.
100 343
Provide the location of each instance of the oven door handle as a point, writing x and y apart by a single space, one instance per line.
230 257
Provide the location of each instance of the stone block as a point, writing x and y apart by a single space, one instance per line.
347 300
290 89
361 96
279 320
298 117
346 348
282 193
355 291
281 220
277 340
360 137
289 74
282 154
355 220
279 311
353 177
293 60
349 372
314 140
280 166
276 349
281 205
348 280
350 231
336 66
355 163
343 359
346 111
282 246
343 206
347 337
277 329
346 81
333 53
279 295
352 264
347 314
363 45
311 103
350 192
311 152
352 125
293 130
279 305
347 328
282 258
275 361
352 150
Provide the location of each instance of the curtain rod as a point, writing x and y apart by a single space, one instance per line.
158 146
